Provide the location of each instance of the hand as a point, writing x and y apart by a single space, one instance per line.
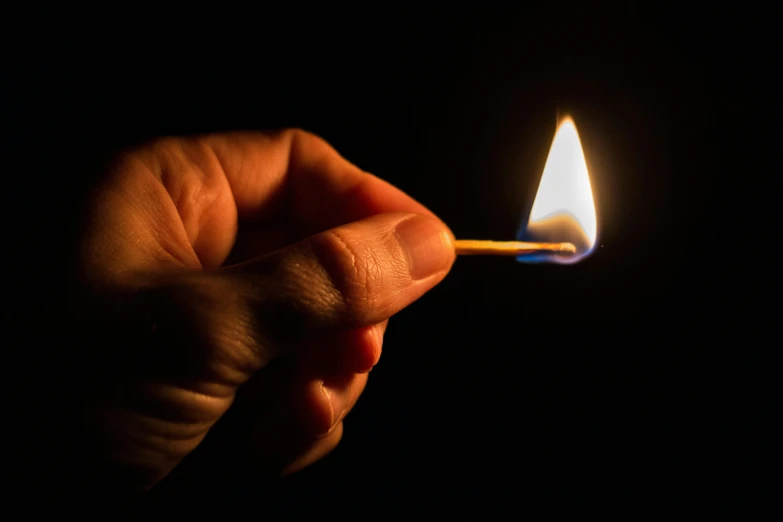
256 267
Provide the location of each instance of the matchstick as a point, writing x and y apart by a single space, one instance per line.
472 247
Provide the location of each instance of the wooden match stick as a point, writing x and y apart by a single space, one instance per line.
473 247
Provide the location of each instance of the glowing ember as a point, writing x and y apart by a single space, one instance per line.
563 209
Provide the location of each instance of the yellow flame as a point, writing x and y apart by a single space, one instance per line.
564 209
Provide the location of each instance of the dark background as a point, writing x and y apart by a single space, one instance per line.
511 385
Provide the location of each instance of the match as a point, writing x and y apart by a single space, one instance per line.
473 247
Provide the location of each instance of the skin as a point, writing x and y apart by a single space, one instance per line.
252 274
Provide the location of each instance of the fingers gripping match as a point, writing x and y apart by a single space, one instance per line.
357 274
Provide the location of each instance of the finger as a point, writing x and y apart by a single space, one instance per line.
310 410
323 403
299 172
364 349
346 351
351 276
315 452
341 353
291 175
211 182
298 429
280 453
308 407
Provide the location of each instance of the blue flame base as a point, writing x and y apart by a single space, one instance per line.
554 230
535 259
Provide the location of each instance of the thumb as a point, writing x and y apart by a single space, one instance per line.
219 328
350 276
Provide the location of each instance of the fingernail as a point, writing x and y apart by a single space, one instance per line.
428 245
379 330
330 402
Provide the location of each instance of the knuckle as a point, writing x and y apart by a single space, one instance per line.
295 132
355 273
305 144
296 137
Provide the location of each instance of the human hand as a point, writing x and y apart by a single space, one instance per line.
252 269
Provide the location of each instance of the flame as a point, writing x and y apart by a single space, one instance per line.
563 209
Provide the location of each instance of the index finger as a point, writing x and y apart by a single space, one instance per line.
293 174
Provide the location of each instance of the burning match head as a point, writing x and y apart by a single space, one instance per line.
567 248
557 228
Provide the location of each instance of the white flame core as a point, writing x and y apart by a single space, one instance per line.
565 185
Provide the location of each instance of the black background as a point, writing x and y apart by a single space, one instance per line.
508 384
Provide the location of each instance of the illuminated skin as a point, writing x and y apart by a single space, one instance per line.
209 258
